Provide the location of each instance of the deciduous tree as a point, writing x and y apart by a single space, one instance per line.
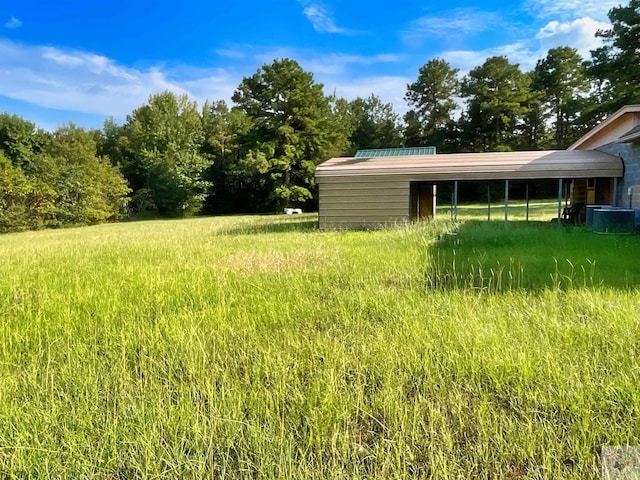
375 124
229 190
163 155
24 202
22 142
88 189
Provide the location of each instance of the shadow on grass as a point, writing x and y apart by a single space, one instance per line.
495 257
266 224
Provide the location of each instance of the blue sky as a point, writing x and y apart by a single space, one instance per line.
84 61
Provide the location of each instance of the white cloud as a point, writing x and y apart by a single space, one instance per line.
338 64
85 82
466 60
231 53
579 34
329 63
566 10
79 81
13 23
460 22
321 18
346 74
389 88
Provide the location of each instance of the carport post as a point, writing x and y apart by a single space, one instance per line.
488 201
455 200
434 199
506 200
527 195
559 201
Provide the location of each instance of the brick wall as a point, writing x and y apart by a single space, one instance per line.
630 154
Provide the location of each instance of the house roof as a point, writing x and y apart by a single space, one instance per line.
610 130
480 166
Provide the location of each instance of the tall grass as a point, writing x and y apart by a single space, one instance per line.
539 211
258 347
498 256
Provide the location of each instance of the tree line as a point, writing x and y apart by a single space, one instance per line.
173 158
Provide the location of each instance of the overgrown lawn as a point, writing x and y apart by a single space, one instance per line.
258 347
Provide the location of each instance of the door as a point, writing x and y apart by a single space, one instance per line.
591 191
425 203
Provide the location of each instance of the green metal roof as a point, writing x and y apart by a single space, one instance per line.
395 152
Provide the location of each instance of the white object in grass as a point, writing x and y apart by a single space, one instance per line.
291 211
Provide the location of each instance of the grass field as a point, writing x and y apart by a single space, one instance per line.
539 210
258 347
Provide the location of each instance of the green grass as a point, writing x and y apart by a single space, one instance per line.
539 210
258 347
498 256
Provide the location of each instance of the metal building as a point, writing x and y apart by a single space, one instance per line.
381 187
373 191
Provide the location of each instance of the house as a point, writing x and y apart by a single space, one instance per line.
377 188
618 134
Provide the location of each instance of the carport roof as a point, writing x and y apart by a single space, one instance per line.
480 166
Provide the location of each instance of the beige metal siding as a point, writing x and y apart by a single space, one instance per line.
362 202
